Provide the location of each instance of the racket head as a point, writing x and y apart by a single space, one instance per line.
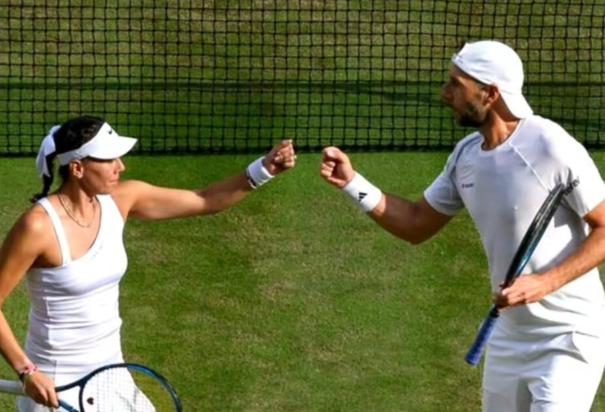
127 387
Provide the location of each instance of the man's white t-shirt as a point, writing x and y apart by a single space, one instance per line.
502 189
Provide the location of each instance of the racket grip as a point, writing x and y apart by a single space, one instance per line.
14 387
473 355
67 406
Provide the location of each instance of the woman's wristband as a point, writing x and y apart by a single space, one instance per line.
257 173
365 194
27 371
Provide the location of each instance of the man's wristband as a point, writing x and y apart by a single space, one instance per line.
257 173
365 194
27 371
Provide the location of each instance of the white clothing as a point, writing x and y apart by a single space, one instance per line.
74 320
502 189
538 374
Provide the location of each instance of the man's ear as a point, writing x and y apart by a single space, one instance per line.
491 94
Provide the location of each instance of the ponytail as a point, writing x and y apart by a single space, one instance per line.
44 163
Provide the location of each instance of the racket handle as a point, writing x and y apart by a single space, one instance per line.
474 353
14 387
67 406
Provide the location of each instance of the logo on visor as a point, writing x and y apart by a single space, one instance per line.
110 131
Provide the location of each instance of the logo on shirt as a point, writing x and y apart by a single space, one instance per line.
467 185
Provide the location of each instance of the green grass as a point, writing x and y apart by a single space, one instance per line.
293 300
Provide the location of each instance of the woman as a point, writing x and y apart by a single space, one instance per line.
69 247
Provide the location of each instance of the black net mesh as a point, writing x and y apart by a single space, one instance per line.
236 76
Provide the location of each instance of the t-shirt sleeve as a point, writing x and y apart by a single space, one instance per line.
586 189
442 194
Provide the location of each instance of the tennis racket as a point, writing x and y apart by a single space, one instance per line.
124 387
526 249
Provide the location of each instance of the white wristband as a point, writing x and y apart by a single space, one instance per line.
365 194
257 173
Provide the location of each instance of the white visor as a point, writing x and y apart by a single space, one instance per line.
106 145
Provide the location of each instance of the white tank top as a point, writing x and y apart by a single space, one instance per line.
74 320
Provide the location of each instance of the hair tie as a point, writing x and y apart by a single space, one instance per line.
46 148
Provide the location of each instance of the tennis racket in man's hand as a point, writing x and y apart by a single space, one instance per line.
526 249
117 387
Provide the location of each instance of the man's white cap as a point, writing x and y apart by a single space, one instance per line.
107 144
495 63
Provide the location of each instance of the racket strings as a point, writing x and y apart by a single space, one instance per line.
122 389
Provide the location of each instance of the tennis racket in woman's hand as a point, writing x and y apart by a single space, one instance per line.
118 387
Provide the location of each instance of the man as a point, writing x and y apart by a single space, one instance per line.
547 351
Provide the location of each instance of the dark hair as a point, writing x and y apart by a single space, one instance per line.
71 135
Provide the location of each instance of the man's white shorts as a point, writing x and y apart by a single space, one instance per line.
542 374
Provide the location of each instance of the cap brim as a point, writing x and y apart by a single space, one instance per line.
113 147
517 105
